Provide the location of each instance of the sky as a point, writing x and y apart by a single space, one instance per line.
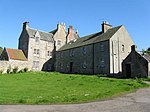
84 15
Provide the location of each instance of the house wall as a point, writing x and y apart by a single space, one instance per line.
81 57
23 42
60 35
4 65
88 59
120 47
44 47
101 58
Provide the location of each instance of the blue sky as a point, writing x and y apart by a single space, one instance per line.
84 15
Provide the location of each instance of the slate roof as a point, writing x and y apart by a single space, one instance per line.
16 54
44 35
93 38
53 31
147 57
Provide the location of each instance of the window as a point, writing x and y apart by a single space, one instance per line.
50 43
101 47
71 52
35 64
122 48
49 53
84 64
37 39
84 50
36 52
102 63
59 42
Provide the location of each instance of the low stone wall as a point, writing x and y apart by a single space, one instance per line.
4 65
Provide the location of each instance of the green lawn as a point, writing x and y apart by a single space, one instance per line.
56 88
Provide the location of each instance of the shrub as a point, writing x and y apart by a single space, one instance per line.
26 69
1 71
9 70
15 70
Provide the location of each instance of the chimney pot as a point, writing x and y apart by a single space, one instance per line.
133 47
25 25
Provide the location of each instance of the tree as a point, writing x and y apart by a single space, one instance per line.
148 51
1 49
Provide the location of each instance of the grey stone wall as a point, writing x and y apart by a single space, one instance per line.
4 65
101 58
44 47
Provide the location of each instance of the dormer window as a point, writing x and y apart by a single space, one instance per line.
59 42
50 43
37 39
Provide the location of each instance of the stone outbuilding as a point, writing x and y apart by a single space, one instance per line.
12 58
136 65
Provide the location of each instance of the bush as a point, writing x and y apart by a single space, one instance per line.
15 70
26 69
1 71
9 70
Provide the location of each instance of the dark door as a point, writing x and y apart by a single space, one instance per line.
71 65
128 70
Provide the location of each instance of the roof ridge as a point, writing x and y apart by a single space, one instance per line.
40 30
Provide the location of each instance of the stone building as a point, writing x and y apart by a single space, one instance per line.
39 47
136 65
101 52
11 58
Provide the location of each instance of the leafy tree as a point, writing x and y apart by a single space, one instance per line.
148 51
1 49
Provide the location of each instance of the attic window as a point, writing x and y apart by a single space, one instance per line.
37 39
50 43
59 42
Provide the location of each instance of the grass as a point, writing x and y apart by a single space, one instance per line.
57 88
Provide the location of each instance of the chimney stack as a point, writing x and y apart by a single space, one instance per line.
105 26
133 47
25 25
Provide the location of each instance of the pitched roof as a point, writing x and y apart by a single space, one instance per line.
147 57
44 35
16 54
53 31
93 38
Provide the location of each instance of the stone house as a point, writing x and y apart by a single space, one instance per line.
39 47
101 52
136 65
11 58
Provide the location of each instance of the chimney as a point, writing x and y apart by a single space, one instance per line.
25 25
61 25
133 47
105 26
71 31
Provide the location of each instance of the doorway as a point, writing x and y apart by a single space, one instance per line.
71 66
128 70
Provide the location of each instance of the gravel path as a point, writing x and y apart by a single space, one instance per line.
138 101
